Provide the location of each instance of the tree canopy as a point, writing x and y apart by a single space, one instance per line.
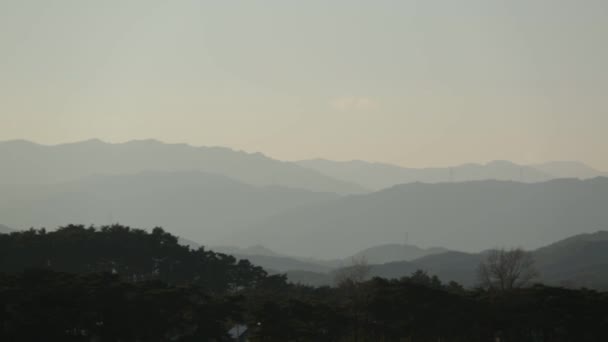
116 283
133 254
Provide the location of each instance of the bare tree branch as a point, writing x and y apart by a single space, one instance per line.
507 269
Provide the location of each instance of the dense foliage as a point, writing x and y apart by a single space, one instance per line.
121 284
50 306
134 254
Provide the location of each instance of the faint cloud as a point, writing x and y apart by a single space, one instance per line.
353 103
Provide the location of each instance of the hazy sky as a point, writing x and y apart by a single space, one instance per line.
417 83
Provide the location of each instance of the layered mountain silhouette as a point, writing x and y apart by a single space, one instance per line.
467 216
24 162
578 261
569 169
276 262
197 206
394 252
282 264
450 266
312 216
378 176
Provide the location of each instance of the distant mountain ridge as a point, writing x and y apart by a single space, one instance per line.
466 216
213 195
273 261
395 252
379 176
29 163
283 264
577 261
581 260
198 206
569 169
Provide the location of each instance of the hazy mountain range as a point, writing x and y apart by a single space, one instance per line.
276 262
25 162
569 169
29 163
198 206
467 216
578 261
394 252
581 260
378 176
321 209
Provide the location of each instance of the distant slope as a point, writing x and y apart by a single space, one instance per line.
29 163
283 264
578 261
194 205
568 169
459 216
395 252
379 176
272 261
252 250
450 266
4 229
269 260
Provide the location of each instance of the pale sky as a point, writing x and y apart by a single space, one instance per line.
415 83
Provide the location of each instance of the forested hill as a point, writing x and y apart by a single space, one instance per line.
117 283
133 254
